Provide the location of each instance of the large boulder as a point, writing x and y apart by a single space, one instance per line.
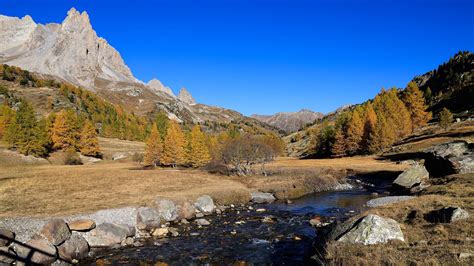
384 201
450 158
56 231
38 250
262 197
81 225
108 235
411 180
205 204
370 230
167 209
75 248
148 218
6 237
447 215
187 210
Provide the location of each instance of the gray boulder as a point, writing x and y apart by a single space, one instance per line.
372 229
450 158
108 235
187 210
148 217
412 180
6 237
447 215
205 204
75 248
56 231
384 201
38 250
167 209
262 197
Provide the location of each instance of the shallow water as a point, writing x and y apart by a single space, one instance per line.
286 240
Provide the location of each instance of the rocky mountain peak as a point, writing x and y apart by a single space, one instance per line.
185 96
156 85
76 21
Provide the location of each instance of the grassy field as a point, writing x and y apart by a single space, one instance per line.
46 190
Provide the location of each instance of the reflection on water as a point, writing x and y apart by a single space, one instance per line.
285 238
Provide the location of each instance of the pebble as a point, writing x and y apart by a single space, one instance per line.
174 232
194 234
202 222
199 215
240 222
250 208
297 238
233 232
260 210
184 221
232 205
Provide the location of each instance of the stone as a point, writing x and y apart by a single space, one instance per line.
148 218
260 210
38 250
184 221
107 235
167 209
447 215
160 232
75 248
6 237
205 204
199 215
372 229
384 201
4 258
202 222
187 210
465 255
316 221
127 242
173 231
450 158
56 231
411 180
262 197
81 225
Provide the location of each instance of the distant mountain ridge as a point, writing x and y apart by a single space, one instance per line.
290 121
71 51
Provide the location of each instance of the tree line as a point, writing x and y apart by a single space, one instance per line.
374 125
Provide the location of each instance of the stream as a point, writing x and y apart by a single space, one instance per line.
279 235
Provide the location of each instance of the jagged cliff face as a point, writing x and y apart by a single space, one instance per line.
72 52
290 121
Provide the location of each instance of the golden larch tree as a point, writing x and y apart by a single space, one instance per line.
370 122
355 131
6 116
174 145
65 133
339 147
89 143
415 103
154 148
198 153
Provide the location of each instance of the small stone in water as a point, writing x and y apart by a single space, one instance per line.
184 221
202 222
232 205
160 232
260 210
233 232
288 201
250 208
199 215
297 238
174 232
194 234
239 222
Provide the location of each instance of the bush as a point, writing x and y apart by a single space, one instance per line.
71 158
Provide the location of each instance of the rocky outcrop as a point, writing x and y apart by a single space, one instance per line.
262 197
370 230
186 97
290 121
447 215
450 158
411 180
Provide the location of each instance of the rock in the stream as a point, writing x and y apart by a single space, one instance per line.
447 215
262 197
450 158
7 255
316 221
38 250
411 180
166 209
372 229
205 204
6 237
160 232
187 210
75 248
383 201
202 222
56 231
149 217
108 235
81 225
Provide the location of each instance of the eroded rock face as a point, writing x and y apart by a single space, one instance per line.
262 197
149 217
447 215
6 237
56 231
373 229
167 209
107 235
205 204
412 180
76 247
38 250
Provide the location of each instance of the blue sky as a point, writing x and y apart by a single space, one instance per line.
270 56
